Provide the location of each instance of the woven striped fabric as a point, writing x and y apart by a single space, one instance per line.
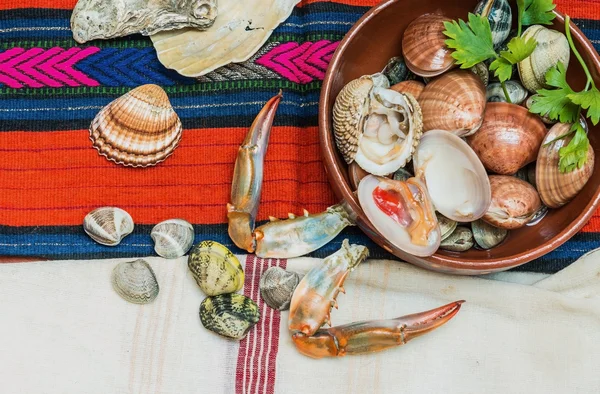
51 88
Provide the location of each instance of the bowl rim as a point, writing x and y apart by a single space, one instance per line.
437 261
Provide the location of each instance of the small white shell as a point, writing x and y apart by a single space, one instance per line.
108 225
172 238
277 286
135 281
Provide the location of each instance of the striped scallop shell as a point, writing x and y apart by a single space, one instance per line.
108 225
138 129
172 238
135 281
215 268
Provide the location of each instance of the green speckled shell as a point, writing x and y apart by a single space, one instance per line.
229 315
215 268
499 14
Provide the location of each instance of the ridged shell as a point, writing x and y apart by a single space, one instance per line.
138 129
486 235
135 281
447 226
499 15
552 48
424 46
508 139
556 188
108 225
172 238
277 286
229 315
516 92
460 240
396 71
454 102
215 268
415 88
514 202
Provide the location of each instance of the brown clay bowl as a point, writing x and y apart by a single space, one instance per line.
367 47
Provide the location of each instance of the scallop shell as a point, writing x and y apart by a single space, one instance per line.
277 286
447 226
215 268
238 33
424 46
460 240
557 188
514 202
508 139
415 88
454 102
135 281
229 315
499 15
108 225
486 235
138 129
552 48
516 92
172 238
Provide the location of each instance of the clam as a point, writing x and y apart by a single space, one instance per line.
545 118
499 15
135 281
552 48
402 174
229 315
460 240
486 235
538 216
424 46
454 102
447 226
508 139
277 286
402 212
516 92
138 129
355 174
108 225
413 87
481 70
376 126
455 178
396 71
558 188
514 202
172 238
215 268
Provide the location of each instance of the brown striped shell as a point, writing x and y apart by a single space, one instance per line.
413 87
424 46
514 202
454 102
508 139
138 129
556 188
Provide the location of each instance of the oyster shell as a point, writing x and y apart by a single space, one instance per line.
447 226
138 129
135 281
376 126
459 241
108 225
229 315
238 33
516 92
172 238
215 268
390 206
413 87
455 178
277 286
94 19
499 15
508 139
558 188
514 202
486 235
454 102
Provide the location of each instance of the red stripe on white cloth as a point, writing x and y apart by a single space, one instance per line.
255 371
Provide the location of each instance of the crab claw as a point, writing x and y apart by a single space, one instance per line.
419 324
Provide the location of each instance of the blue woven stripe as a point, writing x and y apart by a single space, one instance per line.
35 29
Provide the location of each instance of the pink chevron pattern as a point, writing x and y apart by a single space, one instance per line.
300 63
38 67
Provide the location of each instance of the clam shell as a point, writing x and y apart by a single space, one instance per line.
229 315
458 241
499 15
135 281
415 88
481 70
355 174
277 286
556 188
516 92
424 46
396 70
138 129
447 226
108 225
538 216
215 268
551 49
402 174
172 238
508 139
454 102
545 118
514 202
486 235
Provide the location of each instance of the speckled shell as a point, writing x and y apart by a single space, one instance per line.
135 281
516 92
551 49
556 188
487 236
454 102
514 202
415 88
396 71
508 139
460 240
499 15
447 226
138 129
481 70
172 238
108 225
215 268
424 48
277 286
229 315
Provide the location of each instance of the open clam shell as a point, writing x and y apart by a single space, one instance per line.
215 268
514 202
229 315
277 287
172 238
138 129
135 281
108 225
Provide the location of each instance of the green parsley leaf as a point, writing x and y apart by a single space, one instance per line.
556 103
590 101
472 43
574 155
502 69
519 49
538 12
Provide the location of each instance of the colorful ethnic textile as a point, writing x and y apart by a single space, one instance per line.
51 88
